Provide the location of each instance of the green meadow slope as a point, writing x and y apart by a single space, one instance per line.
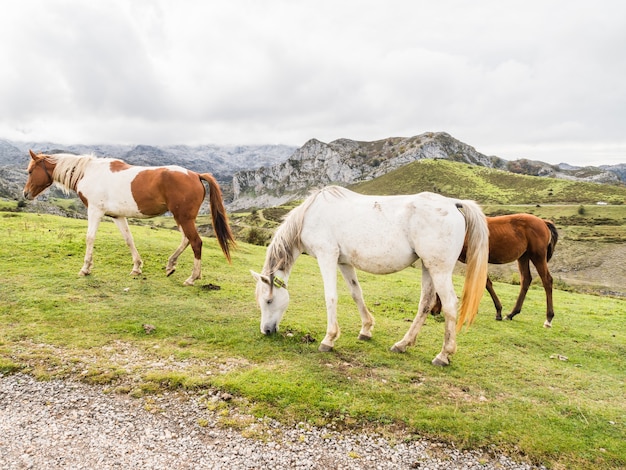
488 186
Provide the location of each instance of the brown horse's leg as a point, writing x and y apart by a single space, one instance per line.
496 301
525 278
436 310
546 279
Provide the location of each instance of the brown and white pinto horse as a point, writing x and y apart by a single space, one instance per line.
112 187
523 238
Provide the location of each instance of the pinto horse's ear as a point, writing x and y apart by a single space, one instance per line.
260 277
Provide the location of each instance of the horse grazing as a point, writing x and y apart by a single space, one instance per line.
112 187
380 235
523 238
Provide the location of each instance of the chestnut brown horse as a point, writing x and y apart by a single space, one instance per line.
523 238
112 187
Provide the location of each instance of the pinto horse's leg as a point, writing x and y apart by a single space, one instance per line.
426 303
93 222
367 320
171 261
191 233
546 279
496 301
525 278
328 268
122 225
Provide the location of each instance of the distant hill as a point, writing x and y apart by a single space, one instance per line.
222 161
347 162
488 185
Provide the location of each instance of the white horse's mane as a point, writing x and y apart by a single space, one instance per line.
280 252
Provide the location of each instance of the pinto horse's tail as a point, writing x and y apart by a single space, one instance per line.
554 237
218 214
477 255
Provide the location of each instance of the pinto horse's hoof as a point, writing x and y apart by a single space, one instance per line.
365 338
324 348
547 324
439 363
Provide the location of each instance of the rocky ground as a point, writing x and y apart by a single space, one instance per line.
70 425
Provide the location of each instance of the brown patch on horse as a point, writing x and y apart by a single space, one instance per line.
83 198
150 187
118 165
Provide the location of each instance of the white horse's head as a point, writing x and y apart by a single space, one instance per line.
273 298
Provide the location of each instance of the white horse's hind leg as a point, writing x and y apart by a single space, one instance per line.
171 262
122 225
427 300
449 302
93 221
328 269
367 320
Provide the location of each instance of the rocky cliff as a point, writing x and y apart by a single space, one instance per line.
345 162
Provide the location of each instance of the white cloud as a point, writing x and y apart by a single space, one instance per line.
532 79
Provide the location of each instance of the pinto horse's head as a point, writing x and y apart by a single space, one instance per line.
273 298
39 175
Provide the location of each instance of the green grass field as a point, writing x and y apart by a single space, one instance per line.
550 396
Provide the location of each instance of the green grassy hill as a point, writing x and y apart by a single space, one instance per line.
488 186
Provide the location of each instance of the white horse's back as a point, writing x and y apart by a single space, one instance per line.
383 234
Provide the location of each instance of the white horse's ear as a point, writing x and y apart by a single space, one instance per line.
260 277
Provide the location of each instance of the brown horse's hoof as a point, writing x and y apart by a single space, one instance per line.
365 337
169 272
324 348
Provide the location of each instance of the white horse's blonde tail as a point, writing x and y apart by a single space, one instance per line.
477 257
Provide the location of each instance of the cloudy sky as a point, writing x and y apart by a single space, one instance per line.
537 79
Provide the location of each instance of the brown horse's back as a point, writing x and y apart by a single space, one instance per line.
511 236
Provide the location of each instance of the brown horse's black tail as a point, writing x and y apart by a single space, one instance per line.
554 237
218 214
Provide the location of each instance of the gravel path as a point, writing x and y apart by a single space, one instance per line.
70 425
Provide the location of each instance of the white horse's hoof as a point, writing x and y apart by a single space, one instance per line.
188 282
324 348
397 348
83 273
365 337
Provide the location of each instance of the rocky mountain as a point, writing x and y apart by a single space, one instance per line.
222 161
269 175
345 162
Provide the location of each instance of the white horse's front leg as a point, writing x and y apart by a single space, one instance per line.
93 221
367 320
329 275
122 225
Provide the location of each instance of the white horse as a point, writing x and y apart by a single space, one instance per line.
380 235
